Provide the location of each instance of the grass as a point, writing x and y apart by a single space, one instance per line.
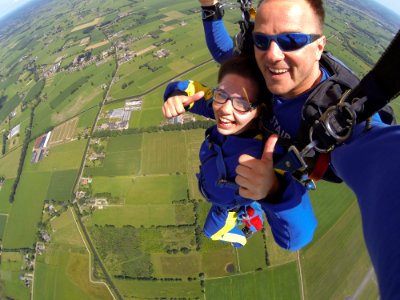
277 283
252 256
9 164
158 289
179 265
26 210
10 270
5 205
164 153
338 261
3 221
63 271
122 157
135 215
56 161
61 185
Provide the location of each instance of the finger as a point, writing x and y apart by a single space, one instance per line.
193 98
269 148
246 160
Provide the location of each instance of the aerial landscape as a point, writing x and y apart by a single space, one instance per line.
98 191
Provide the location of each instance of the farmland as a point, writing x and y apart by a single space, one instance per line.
111 213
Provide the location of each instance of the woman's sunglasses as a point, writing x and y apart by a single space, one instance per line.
285 41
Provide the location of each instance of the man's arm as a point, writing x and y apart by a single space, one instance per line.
218 40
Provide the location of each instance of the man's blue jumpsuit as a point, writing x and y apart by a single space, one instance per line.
368 163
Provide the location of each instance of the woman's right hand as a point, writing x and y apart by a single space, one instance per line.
175 105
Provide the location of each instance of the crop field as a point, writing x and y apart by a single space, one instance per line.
275 283
149 289
5 191
135 215
123 157
3 221
338 260
64 267
143 190
252 256
78 92
10 270
64 132
61 185
56 160
180 265
9 164
164 153
26 210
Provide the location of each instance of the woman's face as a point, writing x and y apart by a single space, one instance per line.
229 120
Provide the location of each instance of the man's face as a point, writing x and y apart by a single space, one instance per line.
288 73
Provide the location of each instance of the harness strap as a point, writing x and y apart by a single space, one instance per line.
321 166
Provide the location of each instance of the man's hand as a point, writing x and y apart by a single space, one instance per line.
256 177
208 2
175 105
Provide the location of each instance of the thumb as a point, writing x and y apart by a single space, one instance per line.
190 99
269 148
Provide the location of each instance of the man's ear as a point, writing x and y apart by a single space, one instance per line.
321 42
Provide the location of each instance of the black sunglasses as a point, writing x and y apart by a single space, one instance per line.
239 103
286 41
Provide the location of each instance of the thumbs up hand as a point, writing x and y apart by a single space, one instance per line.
256 177
175 105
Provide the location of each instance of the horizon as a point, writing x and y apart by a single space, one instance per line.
8 7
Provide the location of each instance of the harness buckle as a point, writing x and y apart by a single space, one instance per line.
336 123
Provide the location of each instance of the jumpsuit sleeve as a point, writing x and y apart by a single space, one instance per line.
292 219
218 40
369 164
202 107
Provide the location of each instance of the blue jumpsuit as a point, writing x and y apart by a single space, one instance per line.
368 163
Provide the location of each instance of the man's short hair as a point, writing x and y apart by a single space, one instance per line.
318 8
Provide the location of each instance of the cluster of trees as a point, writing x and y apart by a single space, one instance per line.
170 127
25 145
267 262
147 278
183 250
3 148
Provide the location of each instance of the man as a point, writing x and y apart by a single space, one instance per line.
367 163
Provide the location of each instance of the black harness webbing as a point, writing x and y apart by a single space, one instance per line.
332 126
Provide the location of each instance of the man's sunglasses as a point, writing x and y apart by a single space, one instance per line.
285 41
239 103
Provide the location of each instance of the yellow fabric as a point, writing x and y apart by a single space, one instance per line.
229 224
234 238
195 87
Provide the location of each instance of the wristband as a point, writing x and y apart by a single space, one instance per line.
213 12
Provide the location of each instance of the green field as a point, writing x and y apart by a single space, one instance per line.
143 190
10 271
64 267
3 221
61 185
5 192
9 164
122 157
275 283
26 211
164 153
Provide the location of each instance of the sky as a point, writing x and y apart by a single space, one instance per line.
6 6
391 4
